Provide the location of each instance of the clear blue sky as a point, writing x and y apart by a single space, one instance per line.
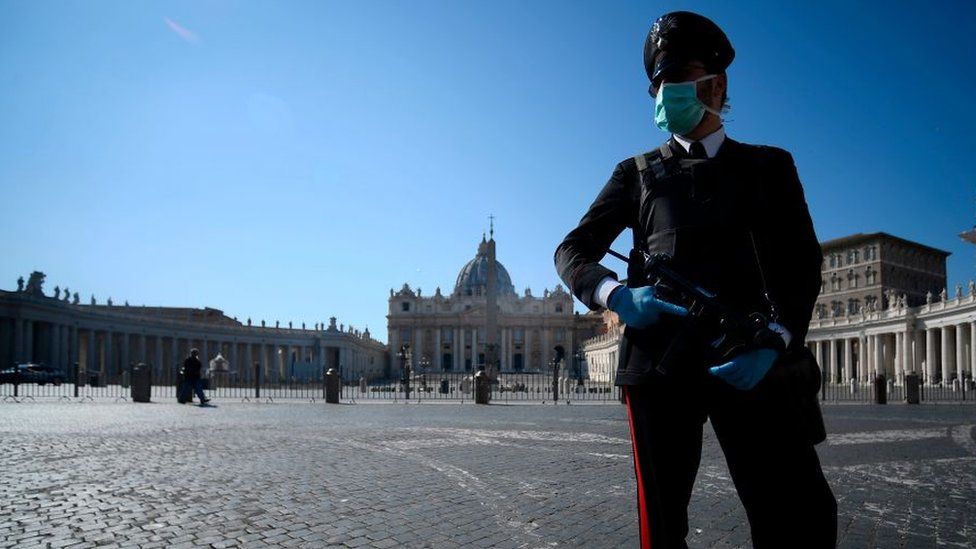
296 160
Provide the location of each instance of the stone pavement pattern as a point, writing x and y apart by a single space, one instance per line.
434 475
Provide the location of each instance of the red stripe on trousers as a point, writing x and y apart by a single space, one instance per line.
645 520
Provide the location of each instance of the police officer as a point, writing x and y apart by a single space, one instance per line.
734 219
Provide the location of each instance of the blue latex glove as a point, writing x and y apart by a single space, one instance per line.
746 370
639 307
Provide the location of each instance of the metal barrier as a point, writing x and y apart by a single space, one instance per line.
253 385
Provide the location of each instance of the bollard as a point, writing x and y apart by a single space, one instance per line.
332 386
257 380
880 389
141 383
911 389
481 388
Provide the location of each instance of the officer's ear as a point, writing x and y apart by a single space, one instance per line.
718 93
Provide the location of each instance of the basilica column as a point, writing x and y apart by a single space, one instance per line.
437 361
459 349
474 348
546 348
846 374
819 354
143 355
931 371
418 348
878 355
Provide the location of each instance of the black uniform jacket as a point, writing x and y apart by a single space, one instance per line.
703 217
191 368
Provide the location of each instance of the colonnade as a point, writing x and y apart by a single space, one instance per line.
108 351
465 346
939 352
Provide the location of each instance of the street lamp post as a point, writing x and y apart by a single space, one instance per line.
404 356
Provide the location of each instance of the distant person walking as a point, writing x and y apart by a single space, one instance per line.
191 378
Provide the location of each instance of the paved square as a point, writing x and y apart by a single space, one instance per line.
434 475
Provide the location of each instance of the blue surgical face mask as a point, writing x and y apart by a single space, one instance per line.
677 108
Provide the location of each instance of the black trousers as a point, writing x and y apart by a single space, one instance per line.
777 475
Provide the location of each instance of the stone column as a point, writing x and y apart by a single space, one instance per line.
174 343
91 353
546 348
436 361
28 341
960 351
65 357
474 348
54 345
908 359
898 356
19 336
945 355
862 357
158 369
124 351
458 349
247 372
107 345
74 354
204 353
819 354
931 369
972 348
527 349
878 355
846 374
143 355
831 366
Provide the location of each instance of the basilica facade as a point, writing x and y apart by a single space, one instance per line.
452 332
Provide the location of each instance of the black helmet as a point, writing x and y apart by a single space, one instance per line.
681 36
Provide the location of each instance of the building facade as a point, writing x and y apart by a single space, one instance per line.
452 332
867 271
104 339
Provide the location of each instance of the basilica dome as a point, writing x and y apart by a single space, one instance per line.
473 278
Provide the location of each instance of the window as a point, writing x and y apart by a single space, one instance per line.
851 279
559 307
870 276
834 282
447 334
517 364
560 335
518 335
447 361
405 305
833 260
852 257
405 336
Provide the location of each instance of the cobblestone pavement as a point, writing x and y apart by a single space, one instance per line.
434 475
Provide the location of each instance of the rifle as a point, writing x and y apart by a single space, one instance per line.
725 331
